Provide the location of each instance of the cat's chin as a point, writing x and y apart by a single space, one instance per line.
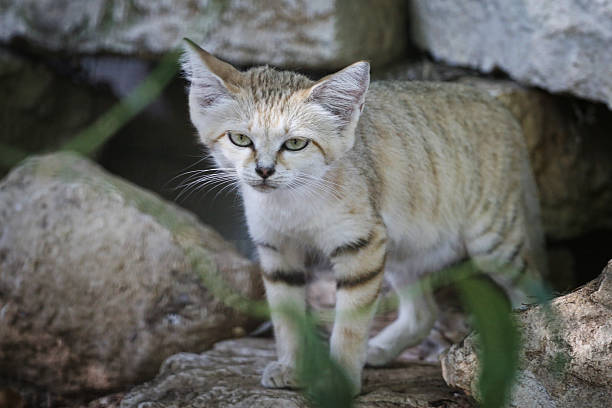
263 188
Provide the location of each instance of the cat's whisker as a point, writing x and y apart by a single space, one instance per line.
311 191
230 185
194 179
195 173
321 179
214 184
319 184
204 181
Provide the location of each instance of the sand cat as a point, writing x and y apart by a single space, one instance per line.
393 179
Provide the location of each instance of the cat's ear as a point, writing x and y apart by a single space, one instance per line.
211 79
343 94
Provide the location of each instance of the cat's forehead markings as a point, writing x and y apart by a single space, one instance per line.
267 120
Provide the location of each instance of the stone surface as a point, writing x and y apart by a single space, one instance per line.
322 34
566 356
558 45
229 375
40 109
100 280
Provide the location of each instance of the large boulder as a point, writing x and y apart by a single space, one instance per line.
230 374
565 357
559 45
100 280
325 34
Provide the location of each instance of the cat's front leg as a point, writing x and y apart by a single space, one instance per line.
358 267
284 279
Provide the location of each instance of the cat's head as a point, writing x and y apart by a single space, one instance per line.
276 129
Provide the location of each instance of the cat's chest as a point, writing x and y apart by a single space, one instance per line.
309 221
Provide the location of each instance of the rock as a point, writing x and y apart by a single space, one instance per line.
561 46
565 356
100 280
44 109
305 34
229 376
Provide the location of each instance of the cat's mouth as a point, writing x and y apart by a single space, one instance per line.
263 187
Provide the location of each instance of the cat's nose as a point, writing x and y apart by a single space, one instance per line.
264 172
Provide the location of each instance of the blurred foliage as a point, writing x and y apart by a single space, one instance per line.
10 155
108 124
325 384
97 134
498 339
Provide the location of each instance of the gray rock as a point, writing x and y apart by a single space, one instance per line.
323 34
565 355
561 46
229 375
134 27
100 281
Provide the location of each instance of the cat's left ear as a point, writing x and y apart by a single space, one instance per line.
211 79
343 94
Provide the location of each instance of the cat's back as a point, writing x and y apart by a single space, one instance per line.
443 153
443 107
454 132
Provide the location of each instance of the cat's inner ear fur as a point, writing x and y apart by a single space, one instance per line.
343 94
211 79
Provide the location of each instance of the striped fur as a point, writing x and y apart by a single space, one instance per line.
405 179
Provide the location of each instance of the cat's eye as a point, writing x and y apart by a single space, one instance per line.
295 144
239 139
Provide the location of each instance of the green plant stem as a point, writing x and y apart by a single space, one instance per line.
92 138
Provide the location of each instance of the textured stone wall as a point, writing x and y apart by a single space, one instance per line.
322 34
558 45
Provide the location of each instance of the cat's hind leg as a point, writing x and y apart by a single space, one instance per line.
506 250
417 314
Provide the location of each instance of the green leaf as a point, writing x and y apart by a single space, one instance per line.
325 383
108 124
498 339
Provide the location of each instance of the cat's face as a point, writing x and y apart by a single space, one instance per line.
274 130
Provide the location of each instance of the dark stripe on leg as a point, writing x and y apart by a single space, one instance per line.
351 282
519 273
266 245
291 278
515 252
491 248
353 246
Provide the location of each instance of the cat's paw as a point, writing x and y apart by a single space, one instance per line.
277 375
379 356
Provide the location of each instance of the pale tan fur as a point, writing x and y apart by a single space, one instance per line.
418 177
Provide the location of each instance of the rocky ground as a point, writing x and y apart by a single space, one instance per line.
229 376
